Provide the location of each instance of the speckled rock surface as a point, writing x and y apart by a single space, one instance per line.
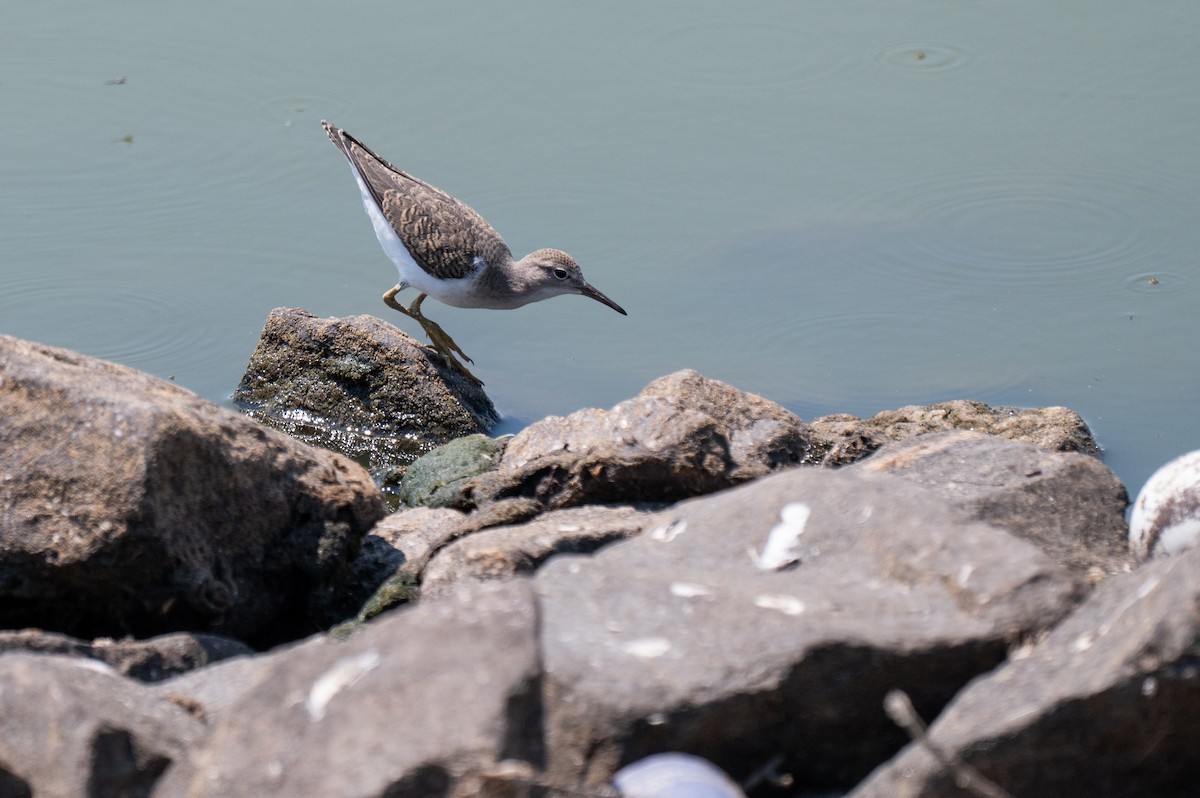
359 386
132 506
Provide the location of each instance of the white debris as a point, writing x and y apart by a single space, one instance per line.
782 548
343 674
647 647
668 532
689 590
788 605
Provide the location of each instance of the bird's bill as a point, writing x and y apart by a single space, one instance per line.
589 291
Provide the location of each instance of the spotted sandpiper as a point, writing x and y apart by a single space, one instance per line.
444 249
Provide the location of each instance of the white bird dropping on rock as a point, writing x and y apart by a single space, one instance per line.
1166 515
783 543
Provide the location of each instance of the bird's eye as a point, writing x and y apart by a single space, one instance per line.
560 273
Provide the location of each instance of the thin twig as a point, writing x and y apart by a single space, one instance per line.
900 709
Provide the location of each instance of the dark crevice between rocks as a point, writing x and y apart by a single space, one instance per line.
427 781
844 700
120 769
13 786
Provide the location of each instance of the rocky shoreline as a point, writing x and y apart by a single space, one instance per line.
198 604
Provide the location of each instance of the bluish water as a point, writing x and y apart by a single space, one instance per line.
841 205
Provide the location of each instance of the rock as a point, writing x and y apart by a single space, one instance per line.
73 727
145 660
770 620
358 386
417 704
674 776
1069 504
388 571
1107 704
131 506
437 479
1166 515
763 436
843 439
684 435
405 542
504 552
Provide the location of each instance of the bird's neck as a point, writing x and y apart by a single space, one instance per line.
509 284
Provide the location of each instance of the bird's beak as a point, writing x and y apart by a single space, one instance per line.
588 290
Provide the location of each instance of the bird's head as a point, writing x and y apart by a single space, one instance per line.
552 272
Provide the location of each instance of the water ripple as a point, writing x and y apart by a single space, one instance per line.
922 57
124 321
1156 282
909 353
1046 226
714 54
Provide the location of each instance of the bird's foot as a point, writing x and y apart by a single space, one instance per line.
444 345
441 341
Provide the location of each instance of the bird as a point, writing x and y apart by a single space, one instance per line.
444 249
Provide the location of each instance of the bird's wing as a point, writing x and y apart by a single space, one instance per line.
444 235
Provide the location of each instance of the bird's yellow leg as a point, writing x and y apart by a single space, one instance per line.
443 344
440 339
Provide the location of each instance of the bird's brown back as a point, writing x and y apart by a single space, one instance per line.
444 235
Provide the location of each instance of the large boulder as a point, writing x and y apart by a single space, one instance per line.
1107 704
130 505
419 703
768 621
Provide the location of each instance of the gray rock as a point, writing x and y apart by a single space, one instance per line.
133 506
771 619
1107 704
684 435
843 439
417 704
145 660
436 479
72 727
763 436
1069 504
359 386
401 547
504 552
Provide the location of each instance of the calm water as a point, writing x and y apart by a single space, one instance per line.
841 205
